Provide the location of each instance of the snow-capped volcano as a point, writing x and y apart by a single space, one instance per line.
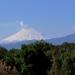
24 34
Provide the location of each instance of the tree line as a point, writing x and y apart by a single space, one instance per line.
40 58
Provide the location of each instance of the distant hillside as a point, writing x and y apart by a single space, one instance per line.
16 44
55 41
69 38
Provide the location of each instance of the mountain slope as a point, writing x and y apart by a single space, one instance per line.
23 34
29 36
69 38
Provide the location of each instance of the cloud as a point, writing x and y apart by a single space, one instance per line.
21 23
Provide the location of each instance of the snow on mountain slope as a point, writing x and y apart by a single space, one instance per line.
24 34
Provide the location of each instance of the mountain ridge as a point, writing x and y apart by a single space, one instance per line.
56 41
22 35
68 38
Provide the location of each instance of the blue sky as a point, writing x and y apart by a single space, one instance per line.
53 18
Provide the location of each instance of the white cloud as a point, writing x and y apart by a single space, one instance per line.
21 23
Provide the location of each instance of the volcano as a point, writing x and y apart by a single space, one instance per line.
22 35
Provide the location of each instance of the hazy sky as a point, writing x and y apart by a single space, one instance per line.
53 18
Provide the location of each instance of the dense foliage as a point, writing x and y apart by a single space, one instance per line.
41 58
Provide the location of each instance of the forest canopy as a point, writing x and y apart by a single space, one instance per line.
40 58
